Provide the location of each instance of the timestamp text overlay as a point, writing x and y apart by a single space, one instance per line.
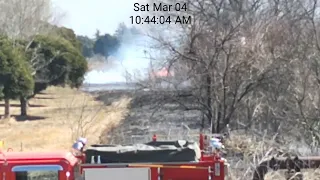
163 19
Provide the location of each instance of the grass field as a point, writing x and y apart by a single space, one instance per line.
57 117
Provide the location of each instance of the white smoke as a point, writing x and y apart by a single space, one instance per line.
131 60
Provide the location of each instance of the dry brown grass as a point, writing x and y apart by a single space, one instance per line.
256 150
68 114
311 174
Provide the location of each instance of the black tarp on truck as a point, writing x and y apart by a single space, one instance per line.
159 151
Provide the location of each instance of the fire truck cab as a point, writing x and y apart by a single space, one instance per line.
37 165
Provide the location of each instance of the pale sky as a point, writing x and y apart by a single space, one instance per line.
85 16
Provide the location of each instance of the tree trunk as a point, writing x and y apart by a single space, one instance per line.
6 108
209 103
202 122
218 119
23 106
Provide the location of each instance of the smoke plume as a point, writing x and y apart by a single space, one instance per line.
131 63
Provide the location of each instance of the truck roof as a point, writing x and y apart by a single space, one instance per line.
33 156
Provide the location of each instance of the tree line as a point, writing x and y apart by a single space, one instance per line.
35 54
106 44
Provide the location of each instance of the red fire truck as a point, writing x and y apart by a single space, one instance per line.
107 162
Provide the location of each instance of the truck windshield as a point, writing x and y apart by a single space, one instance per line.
37 175
37 172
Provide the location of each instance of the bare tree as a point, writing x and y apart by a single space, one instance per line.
25 18
246 63
217 57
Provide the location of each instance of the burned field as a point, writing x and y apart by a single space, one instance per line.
153 113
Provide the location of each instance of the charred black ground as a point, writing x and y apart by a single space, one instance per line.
153 113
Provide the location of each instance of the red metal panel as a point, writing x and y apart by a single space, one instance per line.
184 174
154 174
218 170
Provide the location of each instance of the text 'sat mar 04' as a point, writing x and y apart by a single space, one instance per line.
163 19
